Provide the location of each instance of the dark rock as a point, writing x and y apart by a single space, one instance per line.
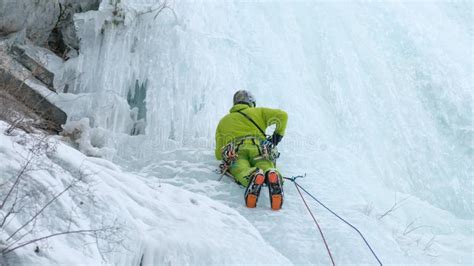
36 69
64 36
31 96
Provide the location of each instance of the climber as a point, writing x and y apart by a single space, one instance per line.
247 153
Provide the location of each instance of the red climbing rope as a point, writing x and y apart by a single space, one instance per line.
316 222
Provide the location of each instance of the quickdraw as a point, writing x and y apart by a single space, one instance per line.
229 156
229 153
269 151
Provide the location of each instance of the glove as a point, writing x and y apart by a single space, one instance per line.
276 138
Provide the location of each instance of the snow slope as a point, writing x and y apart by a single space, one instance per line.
157 223
379 97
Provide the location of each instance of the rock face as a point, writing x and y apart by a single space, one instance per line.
45 21
66 27
37 70
26 86
38 17
25 99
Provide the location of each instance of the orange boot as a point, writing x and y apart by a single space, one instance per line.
253 189
275 189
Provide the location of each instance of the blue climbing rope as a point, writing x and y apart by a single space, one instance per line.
293 179
317 224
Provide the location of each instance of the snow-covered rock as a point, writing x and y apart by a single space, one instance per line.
66 24
28 90
37 17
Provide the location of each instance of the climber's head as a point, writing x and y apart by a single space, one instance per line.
244 97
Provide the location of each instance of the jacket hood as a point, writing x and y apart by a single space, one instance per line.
238 107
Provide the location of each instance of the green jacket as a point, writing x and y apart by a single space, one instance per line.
235 125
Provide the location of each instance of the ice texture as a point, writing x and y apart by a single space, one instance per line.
379 97
385 86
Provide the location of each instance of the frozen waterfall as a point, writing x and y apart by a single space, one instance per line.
379 97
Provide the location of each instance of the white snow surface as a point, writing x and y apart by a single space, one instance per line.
379 97
158 223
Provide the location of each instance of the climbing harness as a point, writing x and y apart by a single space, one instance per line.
298 187
266 149
230 154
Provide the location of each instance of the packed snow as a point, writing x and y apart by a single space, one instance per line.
379 97
157 223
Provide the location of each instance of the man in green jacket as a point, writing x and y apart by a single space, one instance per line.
242 144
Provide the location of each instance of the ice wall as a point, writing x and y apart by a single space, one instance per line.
376 92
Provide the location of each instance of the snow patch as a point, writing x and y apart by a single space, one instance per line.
160 223
90 141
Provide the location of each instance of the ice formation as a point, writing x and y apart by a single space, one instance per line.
379 97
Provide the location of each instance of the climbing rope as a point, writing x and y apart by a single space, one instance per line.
298 186
317 224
